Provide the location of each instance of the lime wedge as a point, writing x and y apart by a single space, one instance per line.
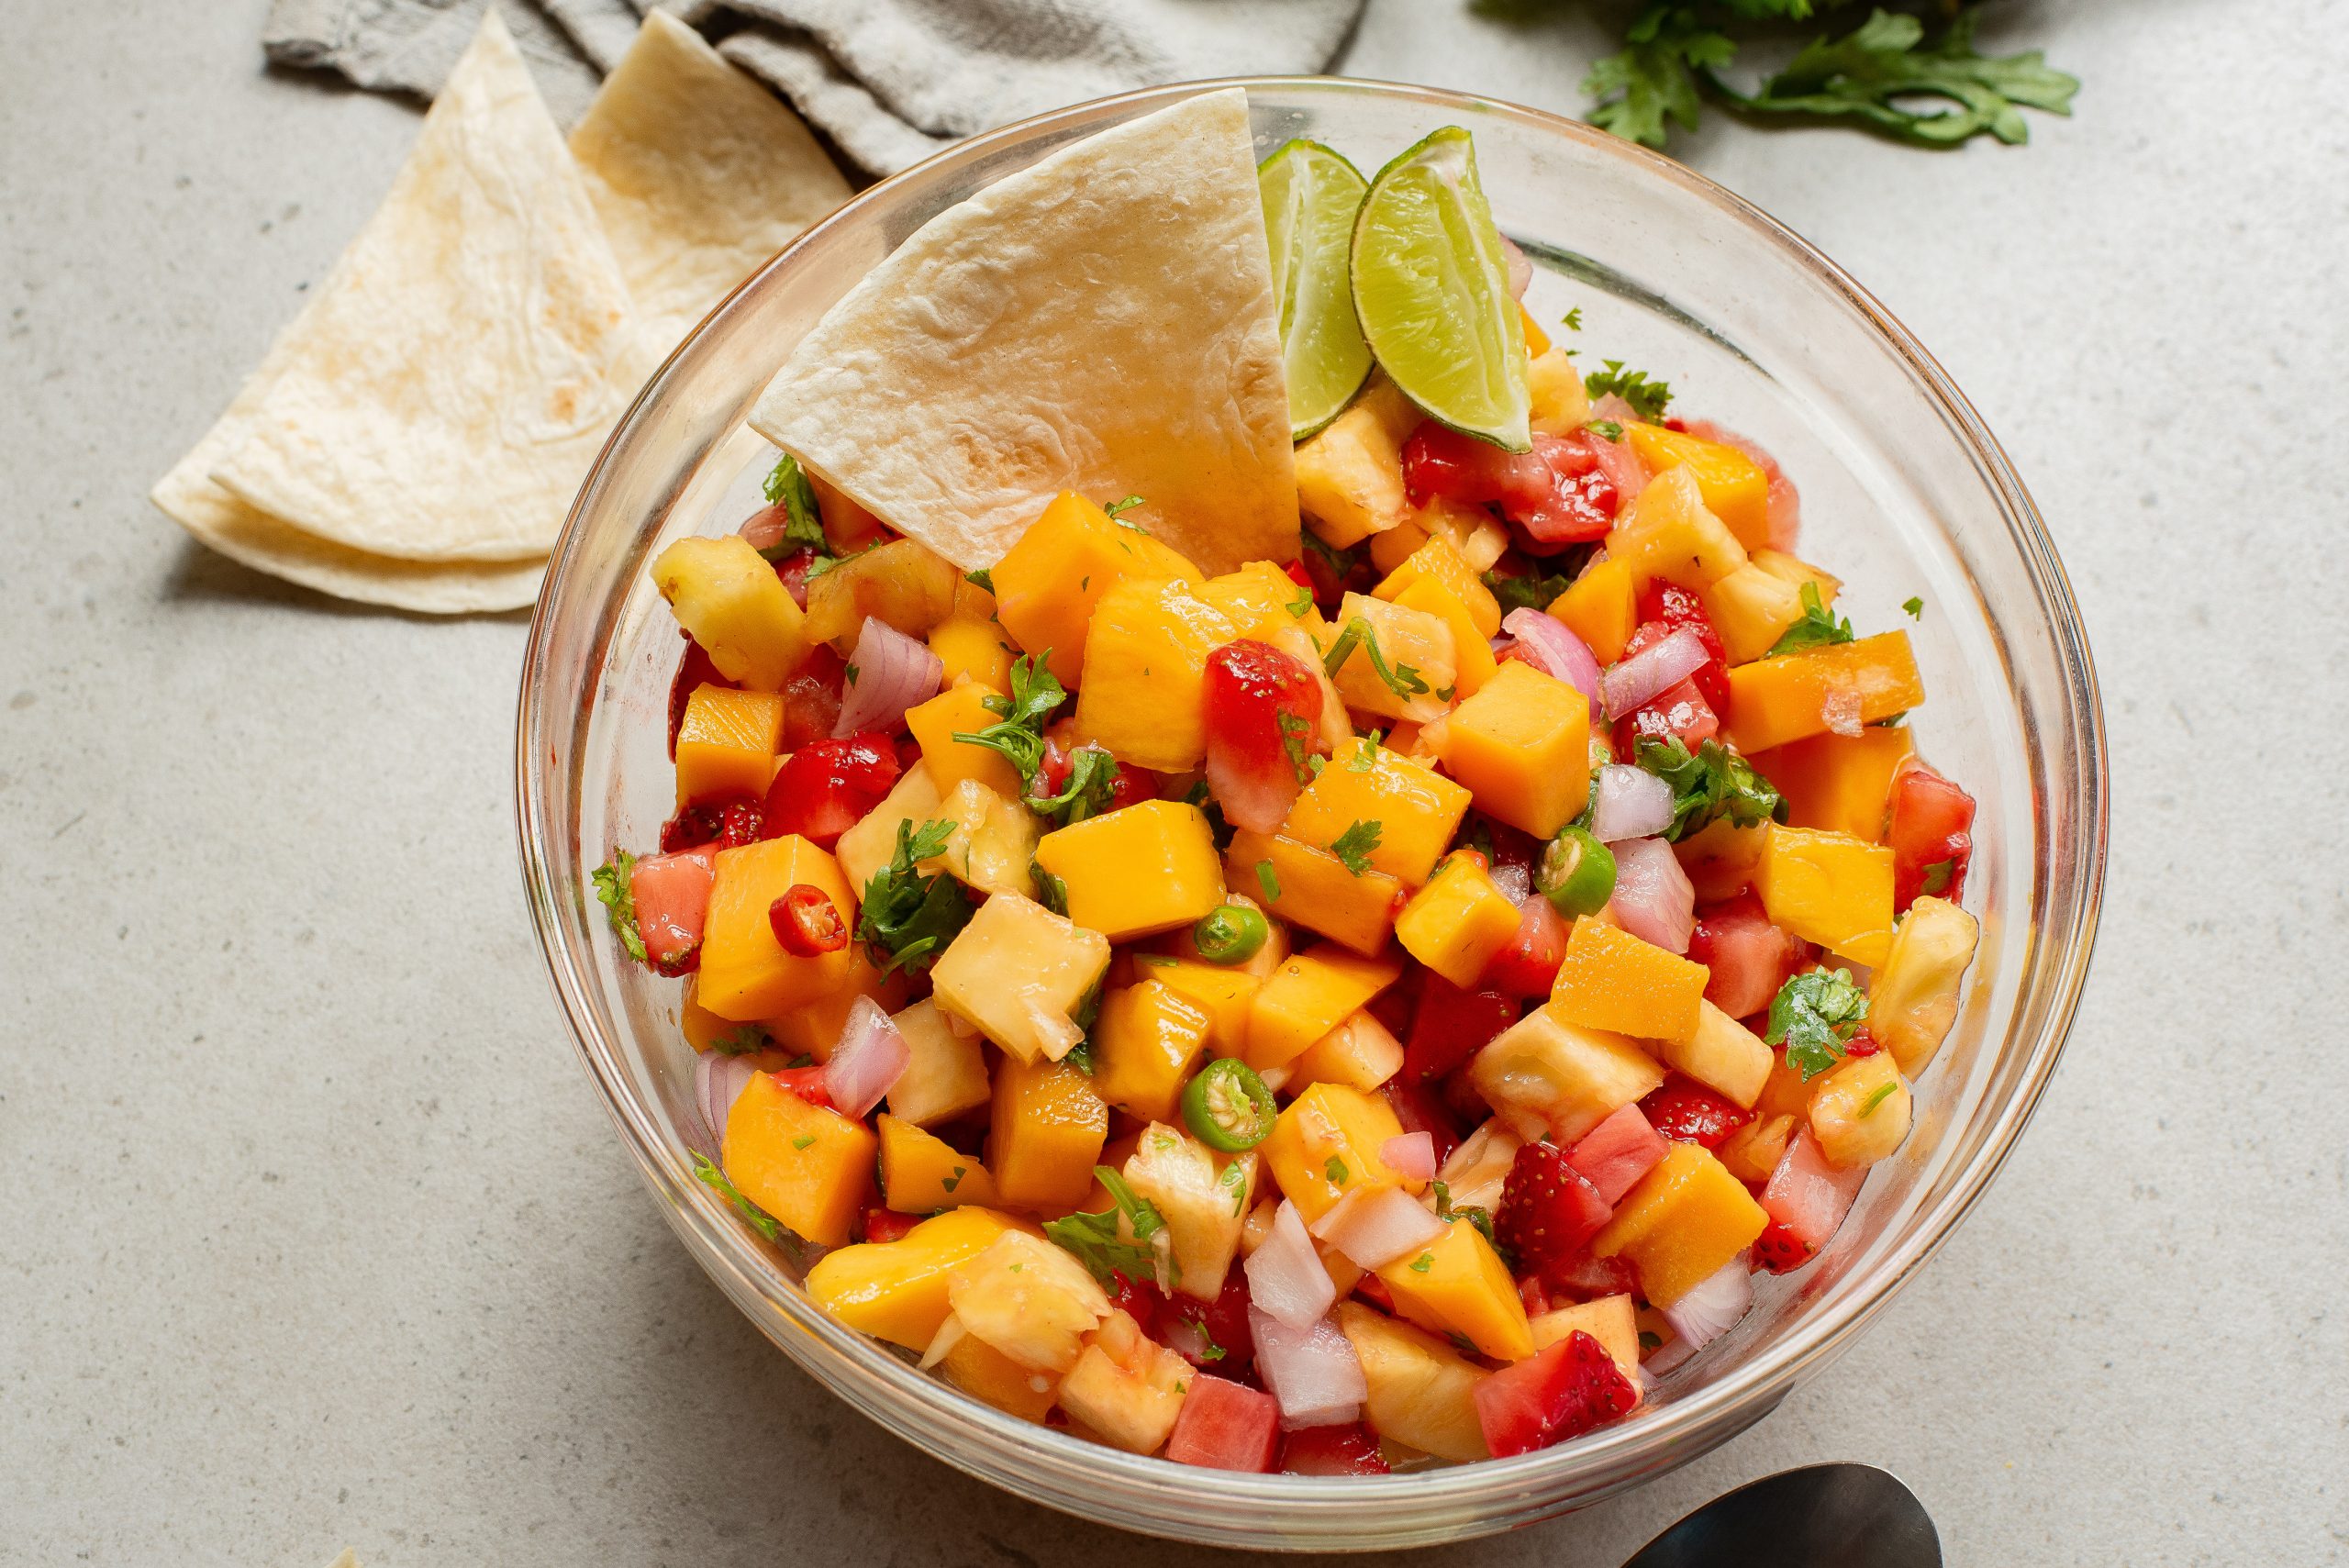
1311 196
1430 285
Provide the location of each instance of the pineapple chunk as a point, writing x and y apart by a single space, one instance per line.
1325 1144
1418 650
1478 1170
1722 1054
1860 1112
1349 476
729 601
1472 654
901 583
1560 401
1912 1000
946 1075
896 1290
1751 608
1668 534
1360 1053
1019 972
1422 1392
1148 1040
1475 533
922 1174
1045 1135
864 850
1204 1197
726 744
993 841
1550 1076
1754 1150
1028 1299
1612 1320
1126 1388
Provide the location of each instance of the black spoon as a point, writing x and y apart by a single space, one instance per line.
1822 1516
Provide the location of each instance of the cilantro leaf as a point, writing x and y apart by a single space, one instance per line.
1051 891
1268 882
1092 778
1813 1015
1294 730
1572 319
1883 1093
1654 77
1526 590
1606 429
611 880
1708 784
1915 606
763 1222
1401 679
1648 398
1115 1241
1353 846
1473 1214
1117 508
1019 733
741 1041
1937 877
908 917
1365 755
1819 628
787 487
983 578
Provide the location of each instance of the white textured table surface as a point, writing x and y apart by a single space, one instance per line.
312 1234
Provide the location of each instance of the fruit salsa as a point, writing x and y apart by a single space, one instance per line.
1329 1014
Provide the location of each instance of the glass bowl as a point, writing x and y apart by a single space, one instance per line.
1904 493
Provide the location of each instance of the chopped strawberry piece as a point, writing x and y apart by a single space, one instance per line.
741 822
1529 964
1263 713
1419 1111
1441 461
695 823
1533 1295
1140 1299
807 1083
1746 957
1615 1154
1298 574
1671 607
1679 713
671 896
1452 1025
1564 1392
887 1223
1780 1250
1225 1424
1547 1210
1373 1289
1350 1449
826 787
693 670
1212 1333
1930 826
1582 1277
1862 1043
811 698
1687 1112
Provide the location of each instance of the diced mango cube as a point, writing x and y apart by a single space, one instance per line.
1325 1144
745 973
1028 1299
1734 486
1422 1392
1018 973
1522 747
901 583
1360 1053
1839 782
1611 980
1724 1055
1668 534
1309 886
1913 997
1261 601
1181 943
1601 607
1417 650
1551 1077
1828 888
1612 1320
1045 1135
1308 996
1472 656
1202 1196
961 710
1683 1223
1458 922
1223 992
1860 1111
814 1027
727 742
922 1174
1145 696
1126 1388
946 1075
973 649
1129 873
808 1165
1773 701
1440 560
730 602
896 1290
865 849
1418 809
1146 1044
1458 1285
1047 584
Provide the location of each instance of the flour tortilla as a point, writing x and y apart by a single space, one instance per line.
1103 321
698 173
445 393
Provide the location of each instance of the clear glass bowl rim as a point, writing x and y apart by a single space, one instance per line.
925 1411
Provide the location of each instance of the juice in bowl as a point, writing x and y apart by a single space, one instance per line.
1319 892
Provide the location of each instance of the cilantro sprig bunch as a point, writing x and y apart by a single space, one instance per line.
1018 735
786 486
1104 1246
1815 1016
909 919
1884 74
1708 784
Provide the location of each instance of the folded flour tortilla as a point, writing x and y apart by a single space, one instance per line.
1103 321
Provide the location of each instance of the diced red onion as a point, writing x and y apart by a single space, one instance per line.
1632 803
868 1062
718 1081
1652 670
891 672
1521 271
1286 1277
1516 883
1620 460
1840 707
1410 1156
1550 645
1653 899
1714 1307
1312 1371
1374 1226
1663 1362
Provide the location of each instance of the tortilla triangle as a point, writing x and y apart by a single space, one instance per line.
1103 321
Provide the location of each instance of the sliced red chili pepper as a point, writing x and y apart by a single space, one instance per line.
807 922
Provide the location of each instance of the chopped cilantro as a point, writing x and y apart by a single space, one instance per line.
787 487
1051 891
1572 319
1294 729
1209 1351
1650 1340
1423 1262
850 672
1302 605
1340 563
1883 1093
1117 1240
804 1141
1335 1169
1819 628
1092 779
1473 1214
1268 881
1812 1016
1526 590
983 578
1366 755
1915 606
1080 1056
1444 693
1402 679
908 917
1116 509
1353 846
1608 429
1018 736
1648 398
1711 783
611 880
954 1179
1937 877
740 1042
763 1222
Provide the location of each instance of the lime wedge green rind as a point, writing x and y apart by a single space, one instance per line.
1310 197
1430 287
